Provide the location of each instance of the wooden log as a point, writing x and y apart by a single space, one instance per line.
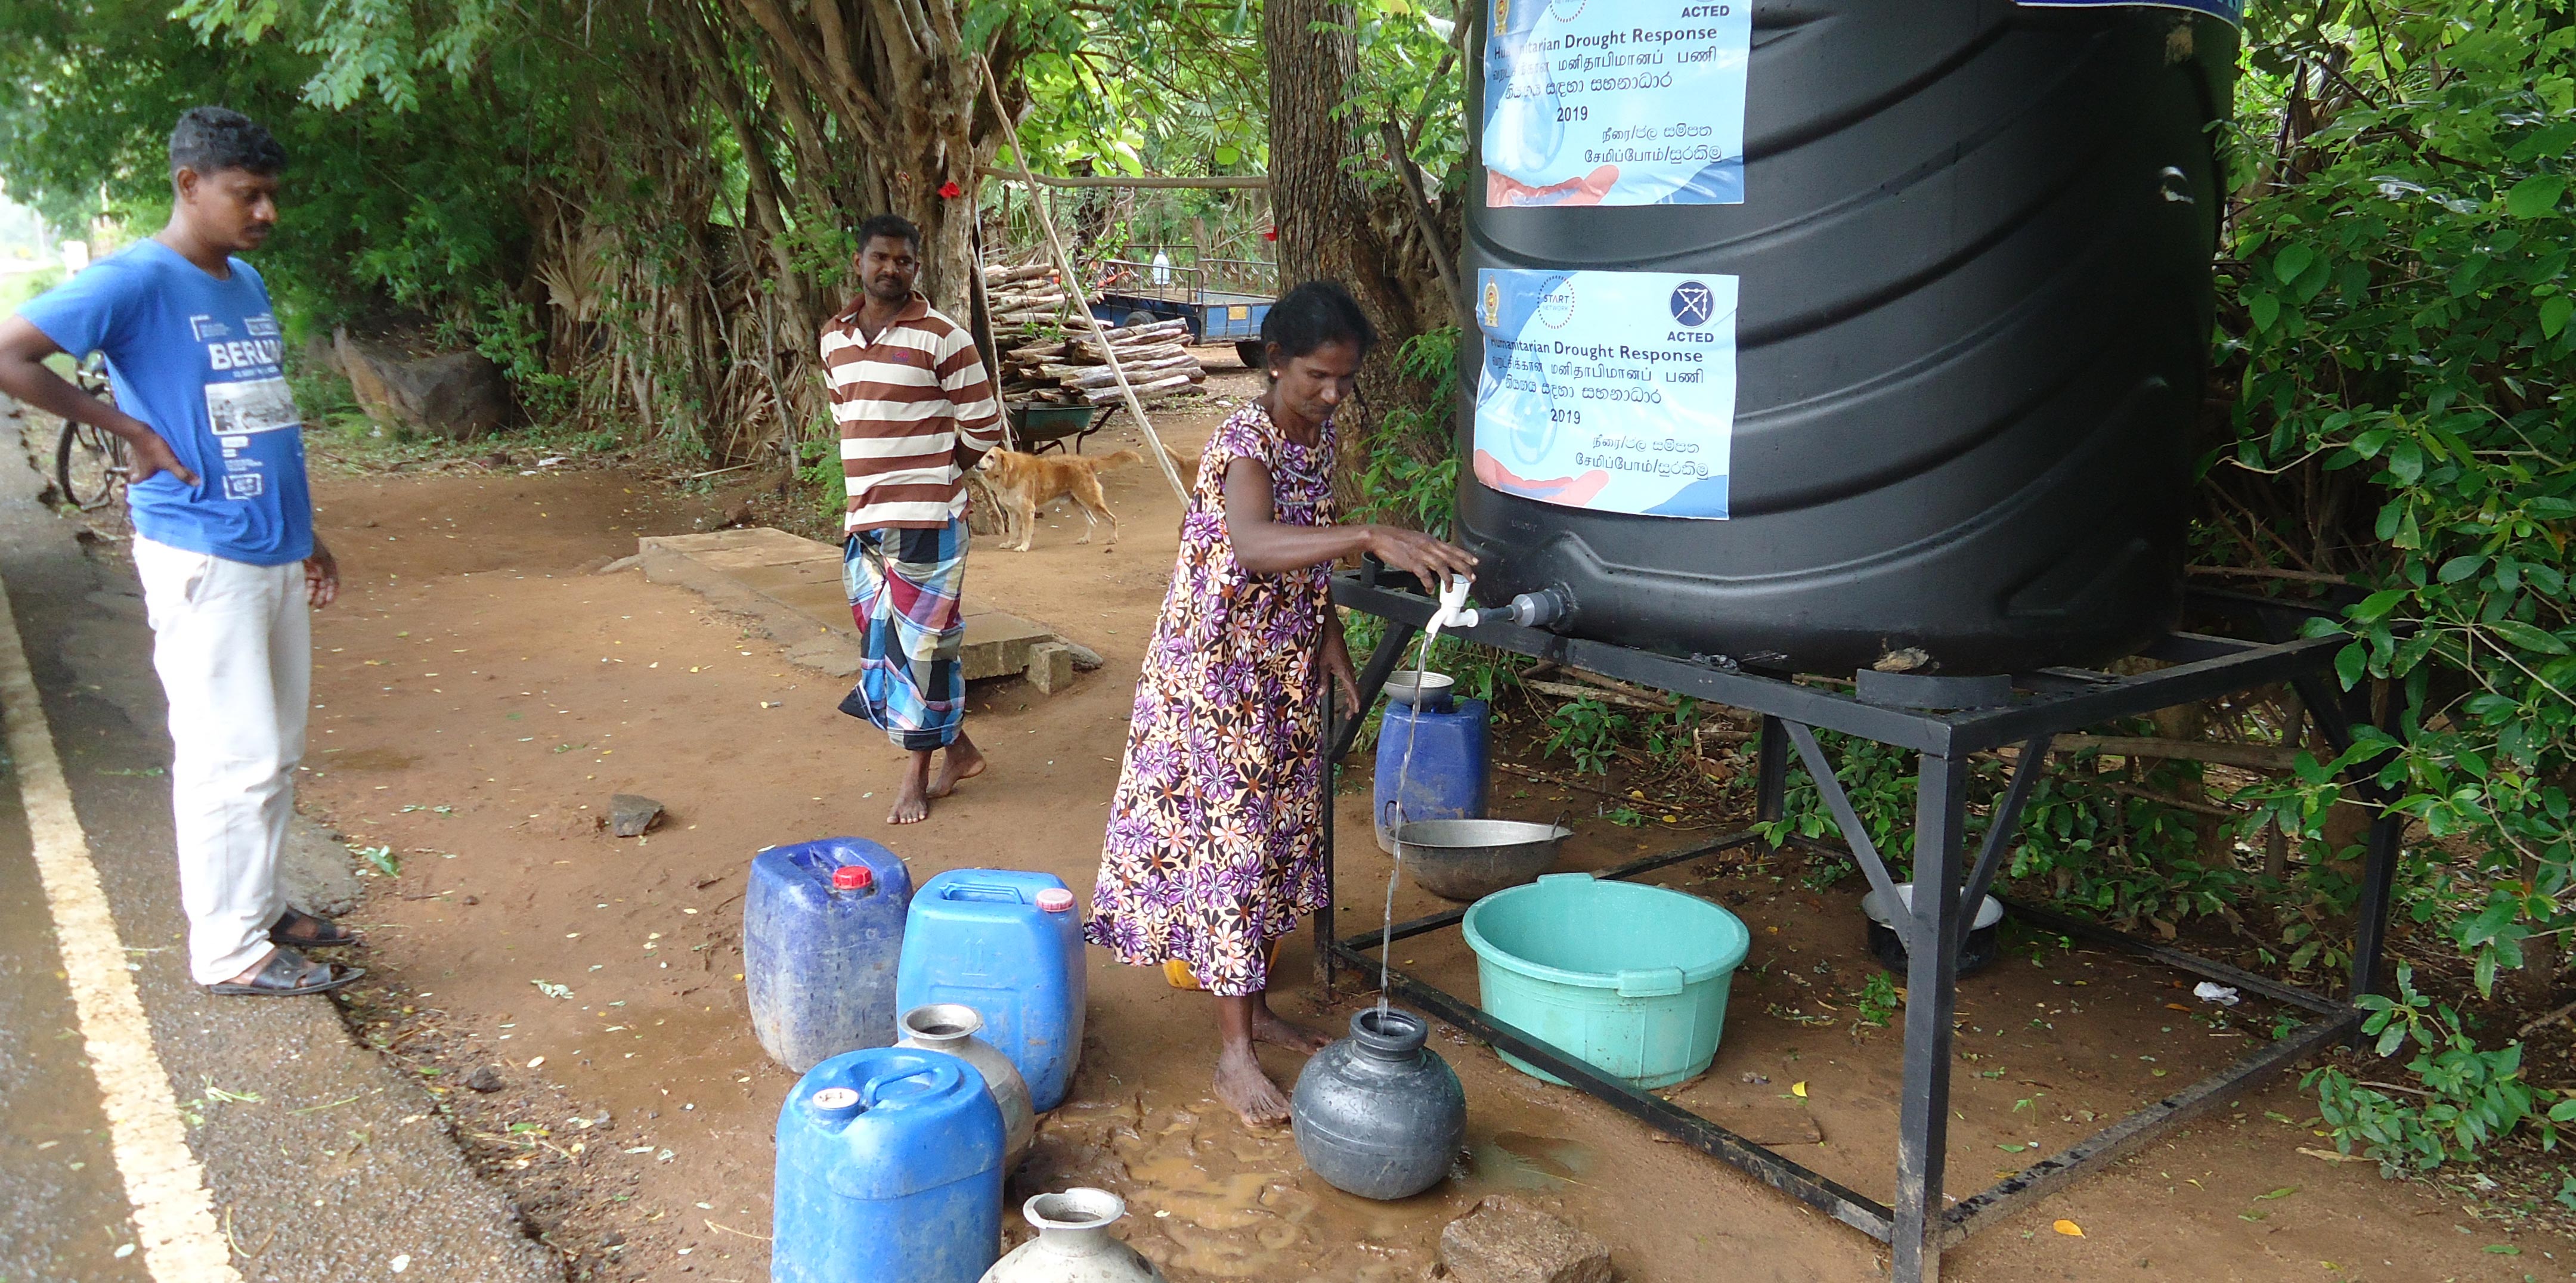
2256 757
1090 355
999 275
1133 333
1100 375
1103 396
1035 352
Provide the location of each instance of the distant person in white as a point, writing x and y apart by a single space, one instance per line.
1162 268
224 539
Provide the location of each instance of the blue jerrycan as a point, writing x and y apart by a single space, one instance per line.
889 1171
1449 777
1008 944
822 931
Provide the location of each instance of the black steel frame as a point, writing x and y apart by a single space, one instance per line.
2044 704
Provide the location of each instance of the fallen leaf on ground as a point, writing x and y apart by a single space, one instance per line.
2331 1156
2069 1228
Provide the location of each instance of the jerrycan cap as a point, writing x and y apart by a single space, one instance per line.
835 1102
853 877
1055 900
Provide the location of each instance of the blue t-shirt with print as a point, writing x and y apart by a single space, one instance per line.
201 360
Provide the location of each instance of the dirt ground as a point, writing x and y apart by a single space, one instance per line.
480 695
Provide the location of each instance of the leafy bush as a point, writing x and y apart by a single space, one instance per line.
2469 1099
1586 731
2401 336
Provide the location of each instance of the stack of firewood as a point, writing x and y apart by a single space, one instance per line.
1075 370
1026 295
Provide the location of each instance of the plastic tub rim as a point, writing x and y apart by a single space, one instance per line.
1487 951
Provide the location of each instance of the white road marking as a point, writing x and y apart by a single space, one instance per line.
173 1212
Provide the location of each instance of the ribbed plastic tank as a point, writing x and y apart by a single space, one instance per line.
1969 254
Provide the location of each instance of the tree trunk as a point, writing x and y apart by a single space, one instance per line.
1351 224
901 89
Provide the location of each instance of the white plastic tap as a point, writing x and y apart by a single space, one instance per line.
1454 611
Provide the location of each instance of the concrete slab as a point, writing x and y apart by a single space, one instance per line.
792 585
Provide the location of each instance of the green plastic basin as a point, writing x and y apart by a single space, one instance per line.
1631 979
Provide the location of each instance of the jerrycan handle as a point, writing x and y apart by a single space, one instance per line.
883 1089
1650 982
992 892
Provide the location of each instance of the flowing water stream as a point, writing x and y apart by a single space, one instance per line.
1395 824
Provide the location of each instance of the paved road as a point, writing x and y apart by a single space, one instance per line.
305 1155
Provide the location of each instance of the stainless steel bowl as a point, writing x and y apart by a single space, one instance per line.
1472 859
1431 691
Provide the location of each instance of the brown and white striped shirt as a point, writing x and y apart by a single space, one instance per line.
902 405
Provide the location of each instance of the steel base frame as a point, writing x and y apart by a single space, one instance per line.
2044 704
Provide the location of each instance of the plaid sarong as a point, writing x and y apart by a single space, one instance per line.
904 592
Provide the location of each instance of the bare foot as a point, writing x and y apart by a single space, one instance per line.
963 761
1248 1091
912 798
1279 1031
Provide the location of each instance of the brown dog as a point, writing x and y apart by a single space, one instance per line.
1023 483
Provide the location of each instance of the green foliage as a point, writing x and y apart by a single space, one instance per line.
1587 732
414 199
1877 1001
819 466
2465 1100
1411 476
2401 270
2088 845
1410 79
17 289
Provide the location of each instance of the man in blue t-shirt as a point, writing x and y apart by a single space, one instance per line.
223 523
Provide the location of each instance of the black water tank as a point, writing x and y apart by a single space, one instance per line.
1973 257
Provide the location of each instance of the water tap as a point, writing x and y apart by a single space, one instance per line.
1454 611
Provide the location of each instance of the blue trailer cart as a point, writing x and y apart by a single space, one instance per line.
1135 293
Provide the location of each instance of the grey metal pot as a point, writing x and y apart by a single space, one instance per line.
951 1027
1378 1114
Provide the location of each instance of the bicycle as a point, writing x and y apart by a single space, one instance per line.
91 465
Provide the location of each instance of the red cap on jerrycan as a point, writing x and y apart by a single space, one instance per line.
853 877
1055 900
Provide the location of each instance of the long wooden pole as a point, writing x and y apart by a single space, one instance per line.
1064 263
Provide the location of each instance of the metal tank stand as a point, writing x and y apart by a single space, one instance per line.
2038 707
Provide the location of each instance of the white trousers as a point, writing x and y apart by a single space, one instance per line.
233 643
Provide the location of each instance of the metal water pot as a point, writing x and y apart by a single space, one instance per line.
1073 1244
1378 1114
951 1027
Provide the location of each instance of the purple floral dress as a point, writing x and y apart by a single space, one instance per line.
1214 845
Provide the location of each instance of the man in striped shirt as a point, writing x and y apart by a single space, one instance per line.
915 410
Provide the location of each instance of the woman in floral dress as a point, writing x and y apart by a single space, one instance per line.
1214 847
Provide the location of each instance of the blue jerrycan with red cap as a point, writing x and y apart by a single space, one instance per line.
822 933
1008 944
889 1171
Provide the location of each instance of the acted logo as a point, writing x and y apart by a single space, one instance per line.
1693 302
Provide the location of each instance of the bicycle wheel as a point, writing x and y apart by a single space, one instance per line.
90 466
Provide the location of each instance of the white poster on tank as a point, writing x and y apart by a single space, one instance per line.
1615 102
1613 391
